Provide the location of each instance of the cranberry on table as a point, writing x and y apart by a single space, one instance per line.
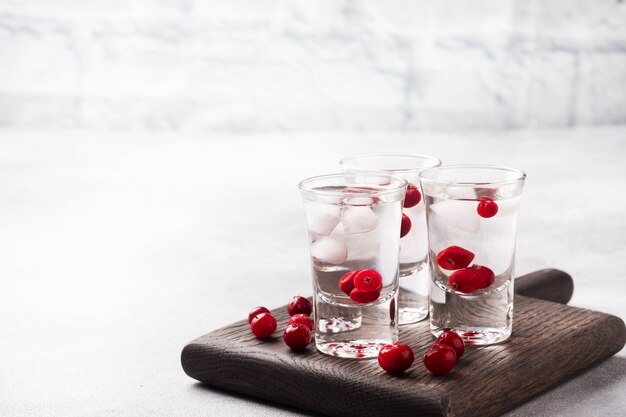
486 277
440 359
405 226
454 257
487 207
465 281
412 196
299 305
255 311
301 319
263 325
297 336
395 358
346 283
452 339
368 280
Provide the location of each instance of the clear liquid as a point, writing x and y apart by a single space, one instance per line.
350 330
480 318
414 246
484 316
414 279
346 234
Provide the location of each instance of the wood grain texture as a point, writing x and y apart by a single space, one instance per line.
547 284
551 343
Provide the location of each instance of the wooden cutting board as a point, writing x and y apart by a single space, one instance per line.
551 343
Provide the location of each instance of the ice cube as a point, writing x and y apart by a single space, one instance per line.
322 218
329 250
362 247
463 193
358 219
358 201
456 214
507 207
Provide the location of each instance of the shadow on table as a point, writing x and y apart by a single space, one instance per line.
597 391
199 386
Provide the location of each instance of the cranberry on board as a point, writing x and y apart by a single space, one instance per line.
368 280
263 325
299 305
486 277
395 358
412 196
454 257
301 319
364 297
440 359
465 281
255 311
346 283
452 339
405 226
487 207
297 336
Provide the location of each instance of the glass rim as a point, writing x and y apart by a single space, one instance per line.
401 181
344 162
520 176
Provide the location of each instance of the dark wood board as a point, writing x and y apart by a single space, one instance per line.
551 343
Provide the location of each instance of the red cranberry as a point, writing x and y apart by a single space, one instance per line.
405 226
368 280
395 358
364 297
487 207
299 305
346 283
412 196
440 359
301 319
255 311
297 336
486 277
453 340
464 280
263 325
454 257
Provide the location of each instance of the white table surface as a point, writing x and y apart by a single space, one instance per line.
119 248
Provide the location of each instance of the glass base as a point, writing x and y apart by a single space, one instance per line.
355 349
410 315
482 336
413 295
339 324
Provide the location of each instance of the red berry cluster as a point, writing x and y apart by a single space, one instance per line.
411 199
465 278
363 286
297 335
440 358
443 355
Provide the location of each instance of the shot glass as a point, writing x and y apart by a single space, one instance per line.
414 275
354 234
472 223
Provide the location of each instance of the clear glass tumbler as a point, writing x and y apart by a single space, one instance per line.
414 275
354 233
472 223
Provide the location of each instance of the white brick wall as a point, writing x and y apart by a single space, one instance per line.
290 65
